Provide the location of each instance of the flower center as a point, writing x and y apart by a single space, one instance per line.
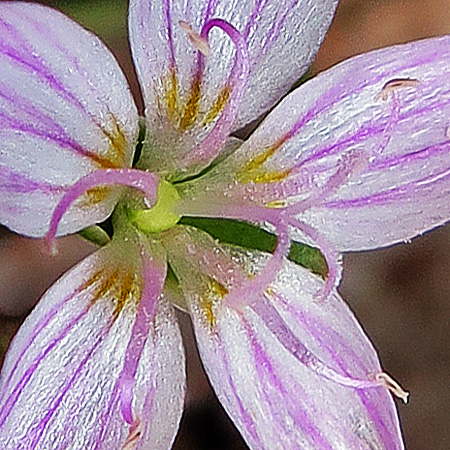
161 216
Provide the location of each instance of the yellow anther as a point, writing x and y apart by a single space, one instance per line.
276 204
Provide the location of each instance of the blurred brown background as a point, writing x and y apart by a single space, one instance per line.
400 295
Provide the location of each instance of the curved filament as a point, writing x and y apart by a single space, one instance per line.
250 291
143 181
153 280
332 258
212 144
352 163
286 337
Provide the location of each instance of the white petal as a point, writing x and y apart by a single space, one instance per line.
282 37
291 371
66 110
62 384
361 152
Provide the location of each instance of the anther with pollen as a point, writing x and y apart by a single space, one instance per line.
198 41
389 383
394 85
133 437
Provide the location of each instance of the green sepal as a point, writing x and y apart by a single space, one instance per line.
251 237
96 235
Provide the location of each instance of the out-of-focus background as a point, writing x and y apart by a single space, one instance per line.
401 295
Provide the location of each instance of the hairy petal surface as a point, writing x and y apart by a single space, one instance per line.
291 371
99 363
361 152
65 111
188 94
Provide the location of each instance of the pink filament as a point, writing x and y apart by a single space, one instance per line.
153 278
331 257
248 293
251 213
211 146
352 163
286 337
143 181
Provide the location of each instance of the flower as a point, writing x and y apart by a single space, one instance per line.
354 159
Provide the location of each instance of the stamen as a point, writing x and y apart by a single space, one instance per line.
286 337
332 258
394 85
199 42
390 384
210 147
248 293
143 181
133 437
249 212
353 163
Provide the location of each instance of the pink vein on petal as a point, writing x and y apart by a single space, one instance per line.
39 328
264 368
37 66
153 278
314 325
245 416
18 389
37 432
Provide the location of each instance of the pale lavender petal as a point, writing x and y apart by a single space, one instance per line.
361 152
291 371
281 36
65 111
101 349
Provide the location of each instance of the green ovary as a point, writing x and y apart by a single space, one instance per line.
161 216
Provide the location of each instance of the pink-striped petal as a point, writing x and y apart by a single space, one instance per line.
361 153
196 84
65 111
290 370
98 364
